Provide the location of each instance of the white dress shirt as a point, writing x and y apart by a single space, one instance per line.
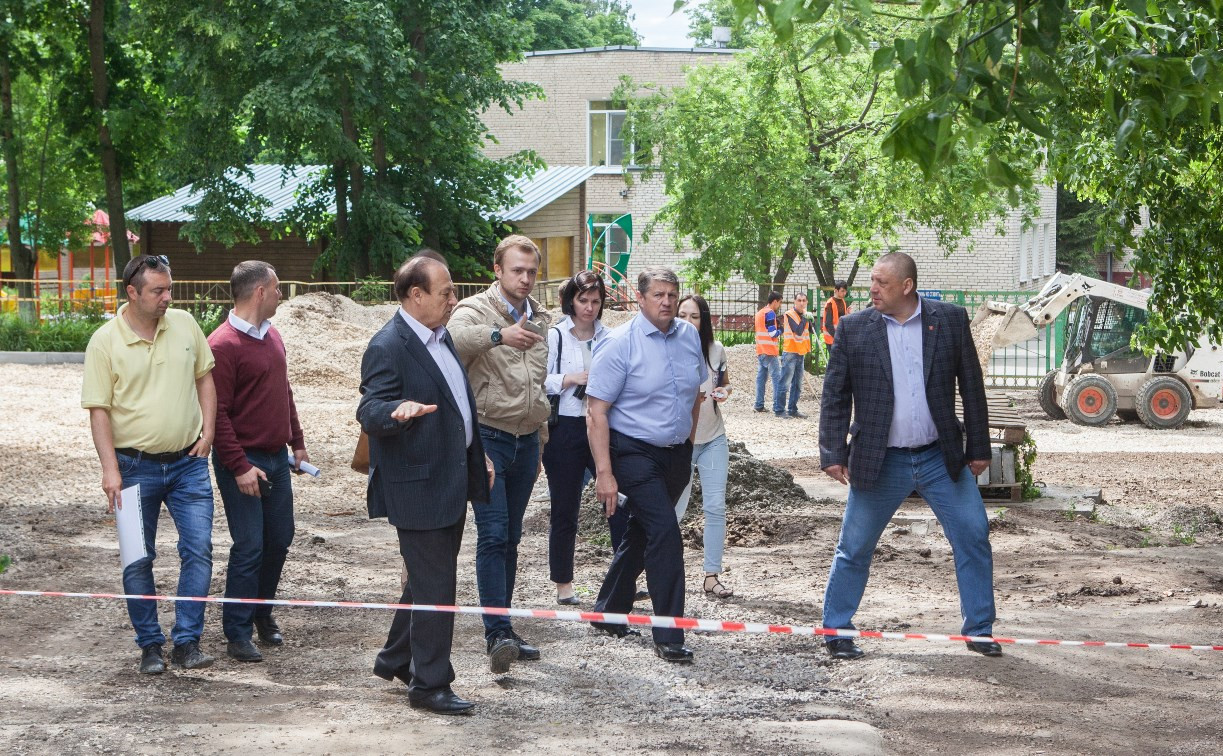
254 331
575 357
435 341
912 425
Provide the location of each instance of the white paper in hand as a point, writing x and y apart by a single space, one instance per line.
305 467
130 523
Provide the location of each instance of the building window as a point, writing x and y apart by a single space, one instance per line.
610 144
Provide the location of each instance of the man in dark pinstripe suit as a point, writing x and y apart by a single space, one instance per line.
896 367
426 462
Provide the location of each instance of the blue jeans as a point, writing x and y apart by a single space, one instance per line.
186 489
262 529
791 383
711 460
958 506
499 522
769 365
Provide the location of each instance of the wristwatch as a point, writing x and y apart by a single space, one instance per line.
496 337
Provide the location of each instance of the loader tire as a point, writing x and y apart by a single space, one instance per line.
1090 400
1163 403
1046 393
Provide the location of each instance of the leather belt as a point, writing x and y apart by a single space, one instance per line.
164 457
916 449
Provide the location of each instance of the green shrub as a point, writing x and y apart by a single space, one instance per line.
5 561
71 331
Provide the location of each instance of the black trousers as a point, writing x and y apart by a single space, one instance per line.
566 460
652 477
418 645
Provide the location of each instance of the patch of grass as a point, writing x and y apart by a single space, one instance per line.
1184 536
5 561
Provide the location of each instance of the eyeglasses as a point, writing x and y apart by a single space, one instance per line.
152 261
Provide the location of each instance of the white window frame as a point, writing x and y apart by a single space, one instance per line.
630 149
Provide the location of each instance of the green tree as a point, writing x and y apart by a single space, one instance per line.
1126 93
774 155
1078 227
572 24
703 16
387 95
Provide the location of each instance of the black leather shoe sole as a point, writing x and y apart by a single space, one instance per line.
844 649
527 652
616 631
442 704
985 648
269 633
243 651
387 674
673 652
503 653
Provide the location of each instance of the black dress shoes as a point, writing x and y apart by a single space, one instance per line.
388 674
440 701
843 648
243 651
985 648
614 630
673 652
269 631
526 652
502 652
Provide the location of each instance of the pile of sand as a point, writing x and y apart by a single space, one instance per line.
983 338
325 336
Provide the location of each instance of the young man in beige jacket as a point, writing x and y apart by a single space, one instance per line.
499 335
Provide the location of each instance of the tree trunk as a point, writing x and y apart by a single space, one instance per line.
788 254
23 261
356 184
111 176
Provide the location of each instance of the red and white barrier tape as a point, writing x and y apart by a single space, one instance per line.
640 620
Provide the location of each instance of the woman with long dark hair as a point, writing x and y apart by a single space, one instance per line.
710 450
567 454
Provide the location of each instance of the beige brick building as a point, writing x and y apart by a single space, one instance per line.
575 124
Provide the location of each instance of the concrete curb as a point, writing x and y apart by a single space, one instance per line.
42 358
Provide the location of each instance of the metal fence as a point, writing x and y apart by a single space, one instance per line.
733 307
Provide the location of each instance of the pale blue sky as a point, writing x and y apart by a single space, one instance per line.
657 26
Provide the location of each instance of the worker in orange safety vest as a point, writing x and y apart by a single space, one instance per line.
795 344
767 333
834 309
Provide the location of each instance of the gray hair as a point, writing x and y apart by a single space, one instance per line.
655 273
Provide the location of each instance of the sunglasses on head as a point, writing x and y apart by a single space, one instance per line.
152 261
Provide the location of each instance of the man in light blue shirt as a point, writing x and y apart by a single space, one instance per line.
643 399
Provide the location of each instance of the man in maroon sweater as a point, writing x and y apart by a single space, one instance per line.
256 421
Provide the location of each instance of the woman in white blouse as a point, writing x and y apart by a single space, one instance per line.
567 455
710 451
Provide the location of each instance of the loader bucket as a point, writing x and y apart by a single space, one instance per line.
1010 324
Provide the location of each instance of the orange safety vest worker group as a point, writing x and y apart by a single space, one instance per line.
834 309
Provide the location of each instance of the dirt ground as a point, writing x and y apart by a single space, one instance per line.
1148 566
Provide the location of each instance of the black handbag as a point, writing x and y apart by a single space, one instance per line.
554 415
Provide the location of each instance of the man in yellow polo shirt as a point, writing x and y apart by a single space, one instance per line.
152 408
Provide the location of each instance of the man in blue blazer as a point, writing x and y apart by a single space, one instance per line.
425 463
895 367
